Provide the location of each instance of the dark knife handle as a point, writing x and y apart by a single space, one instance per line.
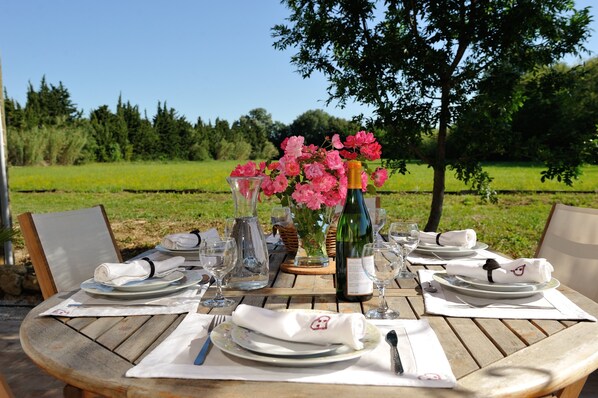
397 361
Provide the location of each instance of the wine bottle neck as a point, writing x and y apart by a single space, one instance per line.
354 177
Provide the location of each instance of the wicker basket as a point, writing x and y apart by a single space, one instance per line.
291 241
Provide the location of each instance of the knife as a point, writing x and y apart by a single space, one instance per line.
392 340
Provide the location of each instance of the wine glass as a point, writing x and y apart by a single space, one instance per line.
218 257
229 226
406 236
281 216
382 264
378 217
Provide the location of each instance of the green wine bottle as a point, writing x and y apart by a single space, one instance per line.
354 230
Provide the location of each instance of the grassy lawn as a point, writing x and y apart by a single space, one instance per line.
145 201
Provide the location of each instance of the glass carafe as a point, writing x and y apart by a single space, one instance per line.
252 268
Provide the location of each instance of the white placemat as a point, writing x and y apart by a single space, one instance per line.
422 355
82 304
446 302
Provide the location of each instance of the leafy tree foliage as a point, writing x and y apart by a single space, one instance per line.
423 66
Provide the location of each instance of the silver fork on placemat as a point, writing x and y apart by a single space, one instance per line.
203 353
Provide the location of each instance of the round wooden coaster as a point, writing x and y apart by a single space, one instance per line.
289 266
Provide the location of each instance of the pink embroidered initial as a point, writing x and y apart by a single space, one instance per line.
320 323
519 270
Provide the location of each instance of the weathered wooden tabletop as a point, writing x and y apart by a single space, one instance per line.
489 357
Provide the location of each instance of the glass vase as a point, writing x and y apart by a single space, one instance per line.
312 227
252 268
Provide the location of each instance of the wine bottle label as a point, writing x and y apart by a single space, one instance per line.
358 283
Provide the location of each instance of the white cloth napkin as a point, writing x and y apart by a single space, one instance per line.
462 238
422 355
519 270
550 304
137 270
305 327
182 241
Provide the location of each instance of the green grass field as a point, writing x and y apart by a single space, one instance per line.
210 177
145 201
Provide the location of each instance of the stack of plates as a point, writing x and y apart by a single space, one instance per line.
146 288
449 251
247 344
189 254
481 288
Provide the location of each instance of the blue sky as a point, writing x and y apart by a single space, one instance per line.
205 58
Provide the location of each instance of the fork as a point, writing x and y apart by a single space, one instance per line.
498 305
203 353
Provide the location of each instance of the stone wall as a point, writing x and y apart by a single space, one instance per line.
18 282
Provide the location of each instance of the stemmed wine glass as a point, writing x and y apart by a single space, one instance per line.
218 257
378 217
280 216
381 263
406 236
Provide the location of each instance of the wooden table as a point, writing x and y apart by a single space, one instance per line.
489 357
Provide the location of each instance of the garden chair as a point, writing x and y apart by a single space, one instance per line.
66 247
5 391
570 243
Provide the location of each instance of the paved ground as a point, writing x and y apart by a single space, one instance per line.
27 381
24 378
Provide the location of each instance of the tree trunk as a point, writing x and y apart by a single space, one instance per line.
439 165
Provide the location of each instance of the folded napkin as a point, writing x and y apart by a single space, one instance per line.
462 238
520 270
182 241
120 273
305 327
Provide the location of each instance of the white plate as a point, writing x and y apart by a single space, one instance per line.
451 282
147 285
450 251
497 287
190 278
221 337
189 254
257 342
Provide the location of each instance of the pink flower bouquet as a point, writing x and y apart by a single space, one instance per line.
312 181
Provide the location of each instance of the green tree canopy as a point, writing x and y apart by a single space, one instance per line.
423 65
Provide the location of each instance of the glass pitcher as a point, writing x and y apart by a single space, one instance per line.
252 268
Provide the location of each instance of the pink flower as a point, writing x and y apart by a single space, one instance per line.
304 194
359 139
324 183
334 160
364 181
292 168
336 142
280 183
348 155
294 146
249 169
371 151
379 176
313 170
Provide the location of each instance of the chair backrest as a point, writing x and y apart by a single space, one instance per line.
66 247
570 243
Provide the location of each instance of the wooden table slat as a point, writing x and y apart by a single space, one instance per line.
138 342
503 337
121 331
481 348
